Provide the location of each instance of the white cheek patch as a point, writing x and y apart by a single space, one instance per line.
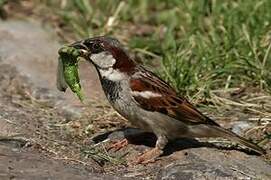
103 59
111 74
146 94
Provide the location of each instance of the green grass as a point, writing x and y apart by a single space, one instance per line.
202 45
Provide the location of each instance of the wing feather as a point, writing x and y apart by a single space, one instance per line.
168 103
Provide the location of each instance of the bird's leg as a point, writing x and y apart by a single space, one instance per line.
116 146
151 155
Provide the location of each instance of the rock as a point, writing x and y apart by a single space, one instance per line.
239 127
29 48
32 50
206 163
70 112
20 165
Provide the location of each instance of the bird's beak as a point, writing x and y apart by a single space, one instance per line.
81 47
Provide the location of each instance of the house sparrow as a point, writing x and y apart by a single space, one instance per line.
147 101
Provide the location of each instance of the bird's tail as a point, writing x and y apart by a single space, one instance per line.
234 137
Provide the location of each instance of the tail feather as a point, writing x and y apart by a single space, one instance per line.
234 137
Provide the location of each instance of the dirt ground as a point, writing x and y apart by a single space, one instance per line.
45 134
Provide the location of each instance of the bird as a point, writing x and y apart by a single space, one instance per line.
147 101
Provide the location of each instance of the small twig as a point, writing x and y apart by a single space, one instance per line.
259 112
224 90
47 149
259 98
9 121
249 106
146 52
248 132
241 172
230 102
228 81
101 143
12 137
24 141
71 159
112 19
260 119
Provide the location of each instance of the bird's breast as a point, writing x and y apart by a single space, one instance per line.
111 89
120 97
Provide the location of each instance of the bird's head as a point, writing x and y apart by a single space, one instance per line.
105 53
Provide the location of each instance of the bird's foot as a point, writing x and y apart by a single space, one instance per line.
149 156
117 145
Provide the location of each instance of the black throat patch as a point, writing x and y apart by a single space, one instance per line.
111 89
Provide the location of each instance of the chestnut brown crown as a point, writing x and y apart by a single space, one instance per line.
102 47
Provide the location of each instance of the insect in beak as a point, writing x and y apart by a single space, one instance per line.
67 71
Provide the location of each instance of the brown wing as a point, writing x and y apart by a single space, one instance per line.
168 103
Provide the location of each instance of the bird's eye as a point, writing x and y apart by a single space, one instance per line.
95 46
88 44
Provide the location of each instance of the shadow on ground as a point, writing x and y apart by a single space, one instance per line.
137 137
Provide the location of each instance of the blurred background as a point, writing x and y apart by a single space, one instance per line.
214 52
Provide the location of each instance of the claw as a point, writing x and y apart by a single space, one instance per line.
118 145
147 157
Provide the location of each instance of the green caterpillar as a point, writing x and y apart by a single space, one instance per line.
67 72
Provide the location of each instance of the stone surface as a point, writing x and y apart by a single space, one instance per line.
206 163
191 159
32 49
20 165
